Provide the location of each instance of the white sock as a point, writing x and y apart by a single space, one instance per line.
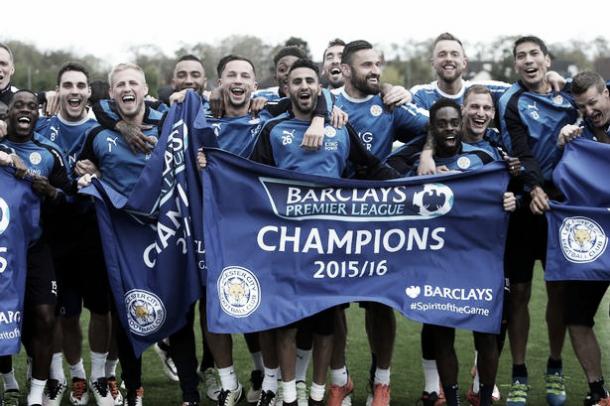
316 392
36 390
382 376
228 379
270 379
303 357
432 382
57 367
9 380
78 370
110 367
338 377
289 391
257 360
98 365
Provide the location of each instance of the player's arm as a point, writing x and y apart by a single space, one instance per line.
367 165
107 115
394 96
58 185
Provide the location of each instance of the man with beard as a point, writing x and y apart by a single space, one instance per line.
47 168
278 145
583 297
331 65
75 245
377 129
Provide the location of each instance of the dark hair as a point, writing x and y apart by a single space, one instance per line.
72 66
289 51
446 36
305 63
584 80
333 43
10 53
352 47
533 39
441 103
99 91
476 89
189 57
230 58
21 91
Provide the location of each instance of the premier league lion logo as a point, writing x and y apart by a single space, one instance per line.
145 312
582 239
238 291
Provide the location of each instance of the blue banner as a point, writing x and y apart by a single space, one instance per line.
282 246
19 225
152 239
578 228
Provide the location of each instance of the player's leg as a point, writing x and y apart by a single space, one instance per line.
383 334
183 352
341 383
446 361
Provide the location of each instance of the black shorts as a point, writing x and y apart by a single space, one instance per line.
582 301
40 282
525 243
322 323
81 270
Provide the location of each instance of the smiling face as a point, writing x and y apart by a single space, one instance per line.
281 71
6 68
238 82
189 75
303 89
594 106
477 113
74 92
22 115
445 127
331 69
448 60
364 71
128 88
531 64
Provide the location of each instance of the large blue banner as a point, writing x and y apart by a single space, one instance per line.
282 246
578 228
152 239
19 225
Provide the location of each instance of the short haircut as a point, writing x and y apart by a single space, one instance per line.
441 103
584 80
124 66
230 58
21 91
289 51
99 91
10 53
305 63
333 43
352 47
477 89
72 66
189 57
533 39
446 36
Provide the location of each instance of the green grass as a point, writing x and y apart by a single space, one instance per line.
407 376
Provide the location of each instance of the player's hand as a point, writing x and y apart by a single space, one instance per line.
257 105
86 167
509 202
52 104
14 161
513 164
177 97
215 100
314 135
568 133
444 169
394 96
556 81
540 201
84 180
426 163
338 117
202 160
135 138
5 159
3 129
41 185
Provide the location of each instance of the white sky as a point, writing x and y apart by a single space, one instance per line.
109 28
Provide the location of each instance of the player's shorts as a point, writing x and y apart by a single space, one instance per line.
525 243
322 323
582 301
40 282
81 270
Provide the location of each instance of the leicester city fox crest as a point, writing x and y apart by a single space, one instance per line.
582 239
145 312
238 291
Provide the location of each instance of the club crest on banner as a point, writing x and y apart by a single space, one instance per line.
582 239
239 291
145 311
5 215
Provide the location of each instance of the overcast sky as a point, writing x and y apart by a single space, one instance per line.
109 28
